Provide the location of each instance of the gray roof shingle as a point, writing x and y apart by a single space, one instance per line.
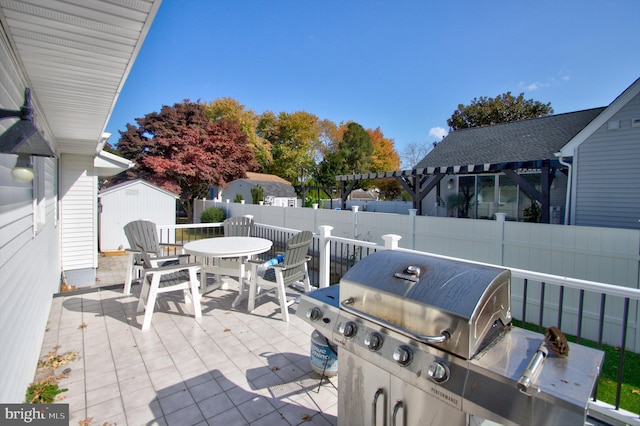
518 141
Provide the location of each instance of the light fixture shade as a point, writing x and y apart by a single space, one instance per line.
22 137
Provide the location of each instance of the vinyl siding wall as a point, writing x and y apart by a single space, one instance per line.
78 192
608 174
29 255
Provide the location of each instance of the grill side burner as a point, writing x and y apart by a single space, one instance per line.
424 340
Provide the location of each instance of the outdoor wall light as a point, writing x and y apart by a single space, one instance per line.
450 184
24 140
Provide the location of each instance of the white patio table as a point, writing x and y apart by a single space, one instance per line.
214 249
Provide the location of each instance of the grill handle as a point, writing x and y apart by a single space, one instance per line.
374 420
443 337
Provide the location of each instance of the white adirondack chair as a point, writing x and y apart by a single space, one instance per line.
279 276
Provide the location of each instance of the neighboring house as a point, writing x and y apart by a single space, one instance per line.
277 191
604 185
51 223
505 167
129 201
581 167
364 195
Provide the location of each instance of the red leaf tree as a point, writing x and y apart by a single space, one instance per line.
181 150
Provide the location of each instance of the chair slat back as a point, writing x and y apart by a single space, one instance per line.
295 256
143 233
238 226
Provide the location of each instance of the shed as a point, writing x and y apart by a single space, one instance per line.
129 201
277 191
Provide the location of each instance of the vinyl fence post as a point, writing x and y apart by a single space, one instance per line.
500 220
324 247
391 241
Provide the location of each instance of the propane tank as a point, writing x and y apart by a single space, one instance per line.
324 355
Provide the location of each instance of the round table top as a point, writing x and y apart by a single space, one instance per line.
228 246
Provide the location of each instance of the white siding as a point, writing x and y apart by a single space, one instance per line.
78 193
607 174
29 260
129 202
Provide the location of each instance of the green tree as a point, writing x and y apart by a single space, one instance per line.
294 139
501 109
356 149
181 150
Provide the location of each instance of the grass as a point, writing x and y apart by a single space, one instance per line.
607 383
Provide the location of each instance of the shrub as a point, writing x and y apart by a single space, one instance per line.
238 198
212 215
257 194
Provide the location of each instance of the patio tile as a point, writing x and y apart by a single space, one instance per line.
230 367
186 416
255 408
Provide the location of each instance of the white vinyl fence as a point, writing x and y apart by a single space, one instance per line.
603 255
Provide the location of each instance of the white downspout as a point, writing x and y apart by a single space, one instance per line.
567 201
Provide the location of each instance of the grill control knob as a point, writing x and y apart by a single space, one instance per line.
348 329
439 371
373 341
314 314
403 355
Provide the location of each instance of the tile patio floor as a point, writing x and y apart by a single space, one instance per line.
229 368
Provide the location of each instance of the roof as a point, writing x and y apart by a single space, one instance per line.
522 141
131 183
271 184
108 164
263 177
76 56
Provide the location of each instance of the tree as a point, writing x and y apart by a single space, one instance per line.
294 139
356 149
501 109
181 150
414 153
384 157
232 110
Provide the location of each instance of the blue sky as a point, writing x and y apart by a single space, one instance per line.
401 65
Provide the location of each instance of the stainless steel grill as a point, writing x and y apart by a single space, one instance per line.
426 340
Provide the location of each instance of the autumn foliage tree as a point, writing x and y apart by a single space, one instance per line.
384 158
181 150
294 139
501 109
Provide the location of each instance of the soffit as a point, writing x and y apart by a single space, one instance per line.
76 55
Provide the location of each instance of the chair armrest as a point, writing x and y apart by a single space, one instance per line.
171 245
295 265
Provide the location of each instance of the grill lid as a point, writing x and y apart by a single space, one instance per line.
448 303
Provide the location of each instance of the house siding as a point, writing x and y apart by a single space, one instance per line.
607 170
29 258
79 220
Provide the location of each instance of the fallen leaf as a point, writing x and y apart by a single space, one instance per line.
636 391
82 326
305 417
275 368
86 422
227 330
